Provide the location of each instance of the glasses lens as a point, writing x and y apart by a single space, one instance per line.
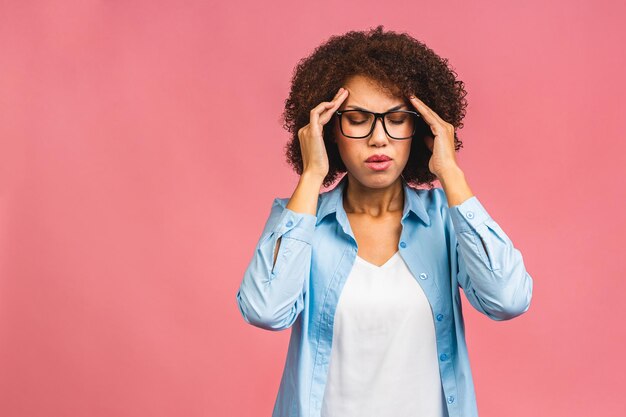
358 124
400 124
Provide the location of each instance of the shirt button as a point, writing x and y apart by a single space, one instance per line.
423 275
443 356
439 317
402 245
451 399
470 214
289 223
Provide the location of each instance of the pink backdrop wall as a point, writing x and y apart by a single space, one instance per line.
131 198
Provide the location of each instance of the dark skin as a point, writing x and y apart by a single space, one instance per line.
374 200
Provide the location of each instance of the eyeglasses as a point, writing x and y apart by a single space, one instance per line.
358 124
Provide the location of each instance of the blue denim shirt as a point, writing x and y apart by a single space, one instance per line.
444 247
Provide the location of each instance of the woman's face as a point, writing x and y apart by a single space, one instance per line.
365 94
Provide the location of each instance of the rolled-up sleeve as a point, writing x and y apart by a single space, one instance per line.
490 269
272 295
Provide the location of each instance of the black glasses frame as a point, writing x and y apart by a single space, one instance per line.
416 116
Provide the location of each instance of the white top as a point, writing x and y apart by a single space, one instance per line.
384 353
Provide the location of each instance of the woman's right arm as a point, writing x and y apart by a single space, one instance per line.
271 294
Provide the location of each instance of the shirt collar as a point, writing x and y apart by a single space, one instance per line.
332 202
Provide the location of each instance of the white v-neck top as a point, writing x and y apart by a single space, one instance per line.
384 355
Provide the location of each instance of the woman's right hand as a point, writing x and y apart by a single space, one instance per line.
314 156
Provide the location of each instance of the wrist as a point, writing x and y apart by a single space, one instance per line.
452 173
311 177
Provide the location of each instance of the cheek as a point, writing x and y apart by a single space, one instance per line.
405 150
344 144
349 150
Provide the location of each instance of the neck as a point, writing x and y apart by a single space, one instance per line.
374 202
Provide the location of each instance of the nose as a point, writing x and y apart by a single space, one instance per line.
378 136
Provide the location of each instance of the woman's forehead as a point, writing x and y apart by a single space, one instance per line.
366 92
374 102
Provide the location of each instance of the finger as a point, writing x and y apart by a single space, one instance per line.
442 123
332 107
338 99
428 114
341 90
326 104
321 107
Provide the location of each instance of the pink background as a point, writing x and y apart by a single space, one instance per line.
141 149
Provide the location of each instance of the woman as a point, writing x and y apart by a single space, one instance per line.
367 275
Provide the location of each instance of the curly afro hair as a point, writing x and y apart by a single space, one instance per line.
400 64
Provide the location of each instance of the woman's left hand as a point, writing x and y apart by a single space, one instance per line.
442 145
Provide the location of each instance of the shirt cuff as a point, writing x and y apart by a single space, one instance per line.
468 215
296 225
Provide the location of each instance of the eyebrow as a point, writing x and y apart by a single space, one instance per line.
398 107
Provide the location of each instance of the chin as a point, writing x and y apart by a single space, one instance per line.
377 179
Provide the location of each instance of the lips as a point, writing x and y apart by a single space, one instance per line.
378 158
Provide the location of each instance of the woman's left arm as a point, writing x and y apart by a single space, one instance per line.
489 268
